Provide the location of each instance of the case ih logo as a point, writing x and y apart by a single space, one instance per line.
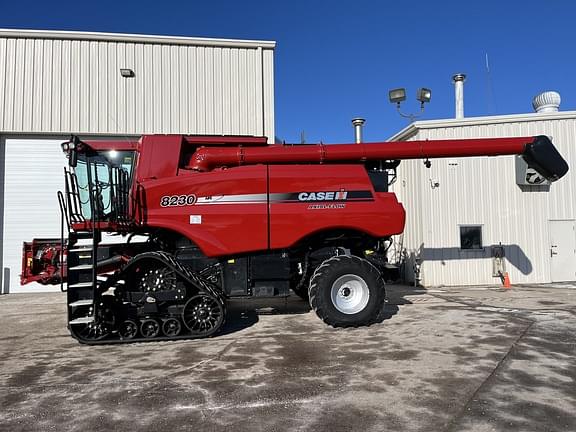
323 196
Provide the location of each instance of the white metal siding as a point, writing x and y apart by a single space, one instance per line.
482 191
33 174
69 85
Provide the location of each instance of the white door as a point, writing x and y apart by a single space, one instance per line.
562 250
33 173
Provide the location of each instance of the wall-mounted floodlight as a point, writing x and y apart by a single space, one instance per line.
424 95
127 73
399 95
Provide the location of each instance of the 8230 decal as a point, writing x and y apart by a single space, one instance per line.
177 200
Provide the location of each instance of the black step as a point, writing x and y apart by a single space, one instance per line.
80 267
87 284
82 248
74 236
79 303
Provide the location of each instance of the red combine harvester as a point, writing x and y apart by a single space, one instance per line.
231 217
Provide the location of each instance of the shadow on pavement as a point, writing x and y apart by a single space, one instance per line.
242 314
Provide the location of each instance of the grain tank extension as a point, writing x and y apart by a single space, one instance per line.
231 217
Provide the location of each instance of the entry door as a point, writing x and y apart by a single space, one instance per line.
563 250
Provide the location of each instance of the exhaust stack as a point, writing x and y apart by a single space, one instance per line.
358 123
458 81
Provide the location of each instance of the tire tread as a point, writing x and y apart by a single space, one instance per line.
322 274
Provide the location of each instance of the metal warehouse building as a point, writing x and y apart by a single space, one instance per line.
461 210
97 85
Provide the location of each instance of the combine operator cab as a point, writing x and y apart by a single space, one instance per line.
98 185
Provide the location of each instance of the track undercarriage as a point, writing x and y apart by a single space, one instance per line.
153 297
181 294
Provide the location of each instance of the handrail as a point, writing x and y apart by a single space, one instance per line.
63 216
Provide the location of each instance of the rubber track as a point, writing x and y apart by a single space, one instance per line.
190 276
203 286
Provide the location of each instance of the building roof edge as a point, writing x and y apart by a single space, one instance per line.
413 128
136 38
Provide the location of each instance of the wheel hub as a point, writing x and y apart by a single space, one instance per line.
350 294
160 279
203 314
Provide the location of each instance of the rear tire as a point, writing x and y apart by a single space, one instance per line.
347 291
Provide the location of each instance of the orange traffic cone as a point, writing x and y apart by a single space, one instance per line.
507 284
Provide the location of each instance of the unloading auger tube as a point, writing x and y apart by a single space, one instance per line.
538 152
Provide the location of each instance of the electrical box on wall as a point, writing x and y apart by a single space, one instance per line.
526 176
498 263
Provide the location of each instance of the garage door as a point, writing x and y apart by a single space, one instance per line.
33 173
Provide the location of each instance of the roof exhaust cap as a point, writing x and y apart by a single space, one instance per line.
458 81
547 102
358 123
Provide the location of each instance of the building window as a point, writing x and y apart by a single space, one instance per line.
471 237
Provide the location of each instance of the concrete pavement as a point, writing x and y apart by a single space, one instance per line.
454 359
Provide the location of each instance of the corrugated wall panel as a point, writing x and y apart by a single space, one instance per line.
483 191
65 89
9 84
45 114
3 65
22 82
63 86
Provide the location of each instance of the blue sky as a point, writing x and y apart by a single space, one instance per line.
336 60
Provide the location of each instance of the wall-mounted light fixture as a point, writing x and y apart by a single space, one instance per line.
424 95
398 95
127 73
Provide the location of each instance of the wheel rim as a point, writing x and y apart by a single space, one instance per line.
150 328
350 294
171 327
128 329
91 332
203 315
159 279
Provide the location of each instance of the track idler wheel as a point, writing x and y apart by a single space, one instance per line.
102 325
203 315
91 332
150 328
128 329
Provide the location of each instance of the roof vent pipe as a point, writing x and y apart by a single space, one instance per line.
358 123
547 102
458 81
